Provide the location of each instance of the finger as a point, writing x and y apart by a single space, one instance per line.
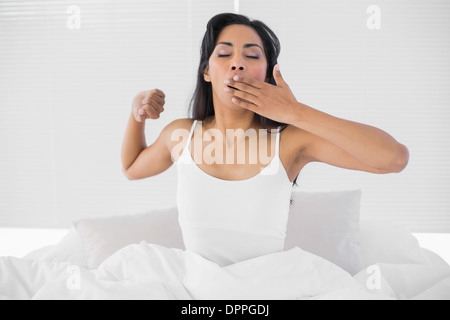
154 92
153 114
251 82
150 113
154 97
154 106
243 87
277 76
245 104
244 96
159 93
147 109
140 115
157 103
152 109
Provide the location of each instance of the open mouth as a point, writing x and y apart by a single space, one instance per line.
234 88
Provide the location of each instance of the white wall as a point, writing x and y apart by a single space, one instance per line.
65 98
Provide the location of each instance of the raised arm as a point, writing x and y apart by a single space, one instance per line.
348 144
139 160
322 137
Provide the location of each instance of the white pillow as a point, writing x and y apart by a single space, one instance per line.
104 236
326 224
382 241
323 223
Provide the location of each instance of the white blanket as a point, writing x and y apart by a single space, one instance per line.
148 271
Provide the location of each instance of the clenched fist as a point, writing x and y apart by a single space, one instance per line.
148 105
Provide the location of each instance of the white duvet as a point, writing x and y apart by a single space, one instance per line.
149 271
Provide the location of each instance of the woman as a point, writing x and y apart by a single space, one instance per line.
235 207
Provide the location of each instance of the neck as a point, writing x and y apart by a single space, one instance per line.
234 120
231 117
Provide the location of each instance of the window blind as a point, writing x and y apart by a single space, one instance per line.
69 70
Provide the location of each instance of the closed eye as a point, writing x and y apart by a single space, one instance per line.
227 55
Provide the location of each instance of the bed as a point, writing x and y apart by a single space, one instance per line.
330 254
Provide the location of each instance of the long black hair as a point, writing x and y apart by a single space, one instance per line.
201 105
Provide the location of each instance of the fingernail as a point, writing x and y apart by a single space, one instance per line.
226 89
227 81
235 78
141 112
277 67
234 100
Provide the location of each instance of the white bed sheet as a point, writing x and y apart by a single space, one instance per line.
49 273
148 271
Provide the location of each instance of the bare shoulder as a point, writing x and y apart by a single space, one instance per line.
294 139
179 123
177 127
176 133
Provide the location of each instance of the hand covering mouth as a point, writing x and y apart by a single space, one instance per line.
233 88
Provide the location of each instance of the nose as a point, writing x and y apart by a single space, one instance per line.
234 67
237 63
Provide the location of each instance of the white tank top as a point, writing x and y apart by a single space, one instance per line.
229 221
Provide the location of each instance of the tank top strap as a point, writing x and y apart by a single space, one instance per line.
277 145
192 132
192 129
185 154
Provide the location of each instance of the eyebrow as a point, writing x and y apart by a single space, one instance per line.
247 45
